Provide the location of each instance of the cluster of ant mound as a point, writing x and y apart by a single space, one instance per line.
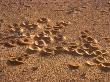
46 38
90 47
41 38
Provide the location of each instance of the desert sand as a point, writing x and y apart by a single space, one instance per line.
54 40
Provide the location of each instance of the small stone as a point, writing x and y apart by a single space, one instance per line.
89 63
73 66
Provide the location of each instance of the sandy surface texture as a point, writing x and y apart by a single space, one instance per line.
54 40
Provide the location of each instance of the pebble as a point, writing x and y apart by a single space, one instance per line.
73 66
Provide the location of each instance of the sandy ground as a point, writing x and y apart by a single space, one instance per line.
93 15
